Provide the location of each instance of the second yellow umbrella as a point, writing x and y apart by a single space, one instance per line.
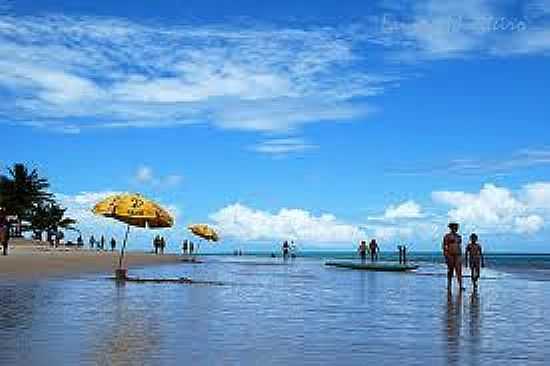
204 231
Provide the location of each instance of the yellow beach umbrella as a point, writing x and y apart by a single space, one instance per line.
204 231
133 210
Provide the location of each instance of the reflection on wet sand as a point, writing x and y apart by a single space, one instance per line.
453 325
130 337
474 343
458 341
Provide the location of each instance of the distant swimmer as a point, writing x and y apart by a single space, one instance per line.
474 258
362 250
373 249
452 250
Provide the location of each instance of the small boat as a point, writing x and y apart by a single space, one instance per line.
381 267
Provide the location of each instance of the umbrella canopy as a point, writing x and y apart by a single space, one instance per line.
204 231
134 210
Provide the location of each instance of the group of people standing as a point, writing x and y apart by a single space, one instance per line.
288 249
159 244
452 251
188 247
371 249
100 244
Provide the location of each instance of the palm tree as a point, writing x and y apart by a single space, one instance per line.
21 191
50 217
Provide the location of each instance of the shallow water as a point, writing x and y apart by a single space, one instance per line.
300 313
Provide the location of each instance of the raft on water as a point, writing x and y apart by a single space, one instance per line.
381 267
181 280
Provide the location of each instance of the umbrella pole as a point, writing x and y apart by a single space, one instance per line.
123 247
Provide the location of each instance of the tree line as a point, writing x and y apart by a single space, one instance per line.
25 196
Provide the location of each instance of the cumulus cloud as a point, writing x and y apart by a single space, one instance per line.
248 224
385 233
406 210
493 209
537 195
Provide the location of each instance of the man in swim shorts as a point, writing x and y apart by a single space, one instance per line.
474 258
452 251
363 251
373 249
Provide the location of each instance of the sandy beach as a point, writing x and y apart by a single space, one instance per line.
31 259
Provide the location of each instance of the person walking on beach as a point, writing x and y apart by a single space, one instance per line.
4 231
92 242
362 251
474 258
191 248
79 241
113 244
452 250
373 249
102 243
185 246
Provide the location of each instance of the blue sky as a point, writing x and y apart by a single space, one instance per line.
324 124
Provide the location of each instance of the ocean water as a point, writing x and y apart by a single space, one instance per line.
271 312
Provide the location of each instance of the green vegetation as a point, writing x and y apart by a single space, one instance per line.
23 193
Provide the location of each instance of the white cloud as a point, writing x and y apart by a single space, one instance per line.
537 195
283 146
387 233
406 210
144 175
529 224
247 224
109 72
79 207
522 159
493 209
432 29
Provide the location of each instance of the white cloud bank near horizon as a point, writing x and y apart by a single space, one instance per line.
248 224
499 210
491 211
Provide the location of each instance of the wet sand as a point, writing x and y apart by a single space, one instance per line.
30 260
